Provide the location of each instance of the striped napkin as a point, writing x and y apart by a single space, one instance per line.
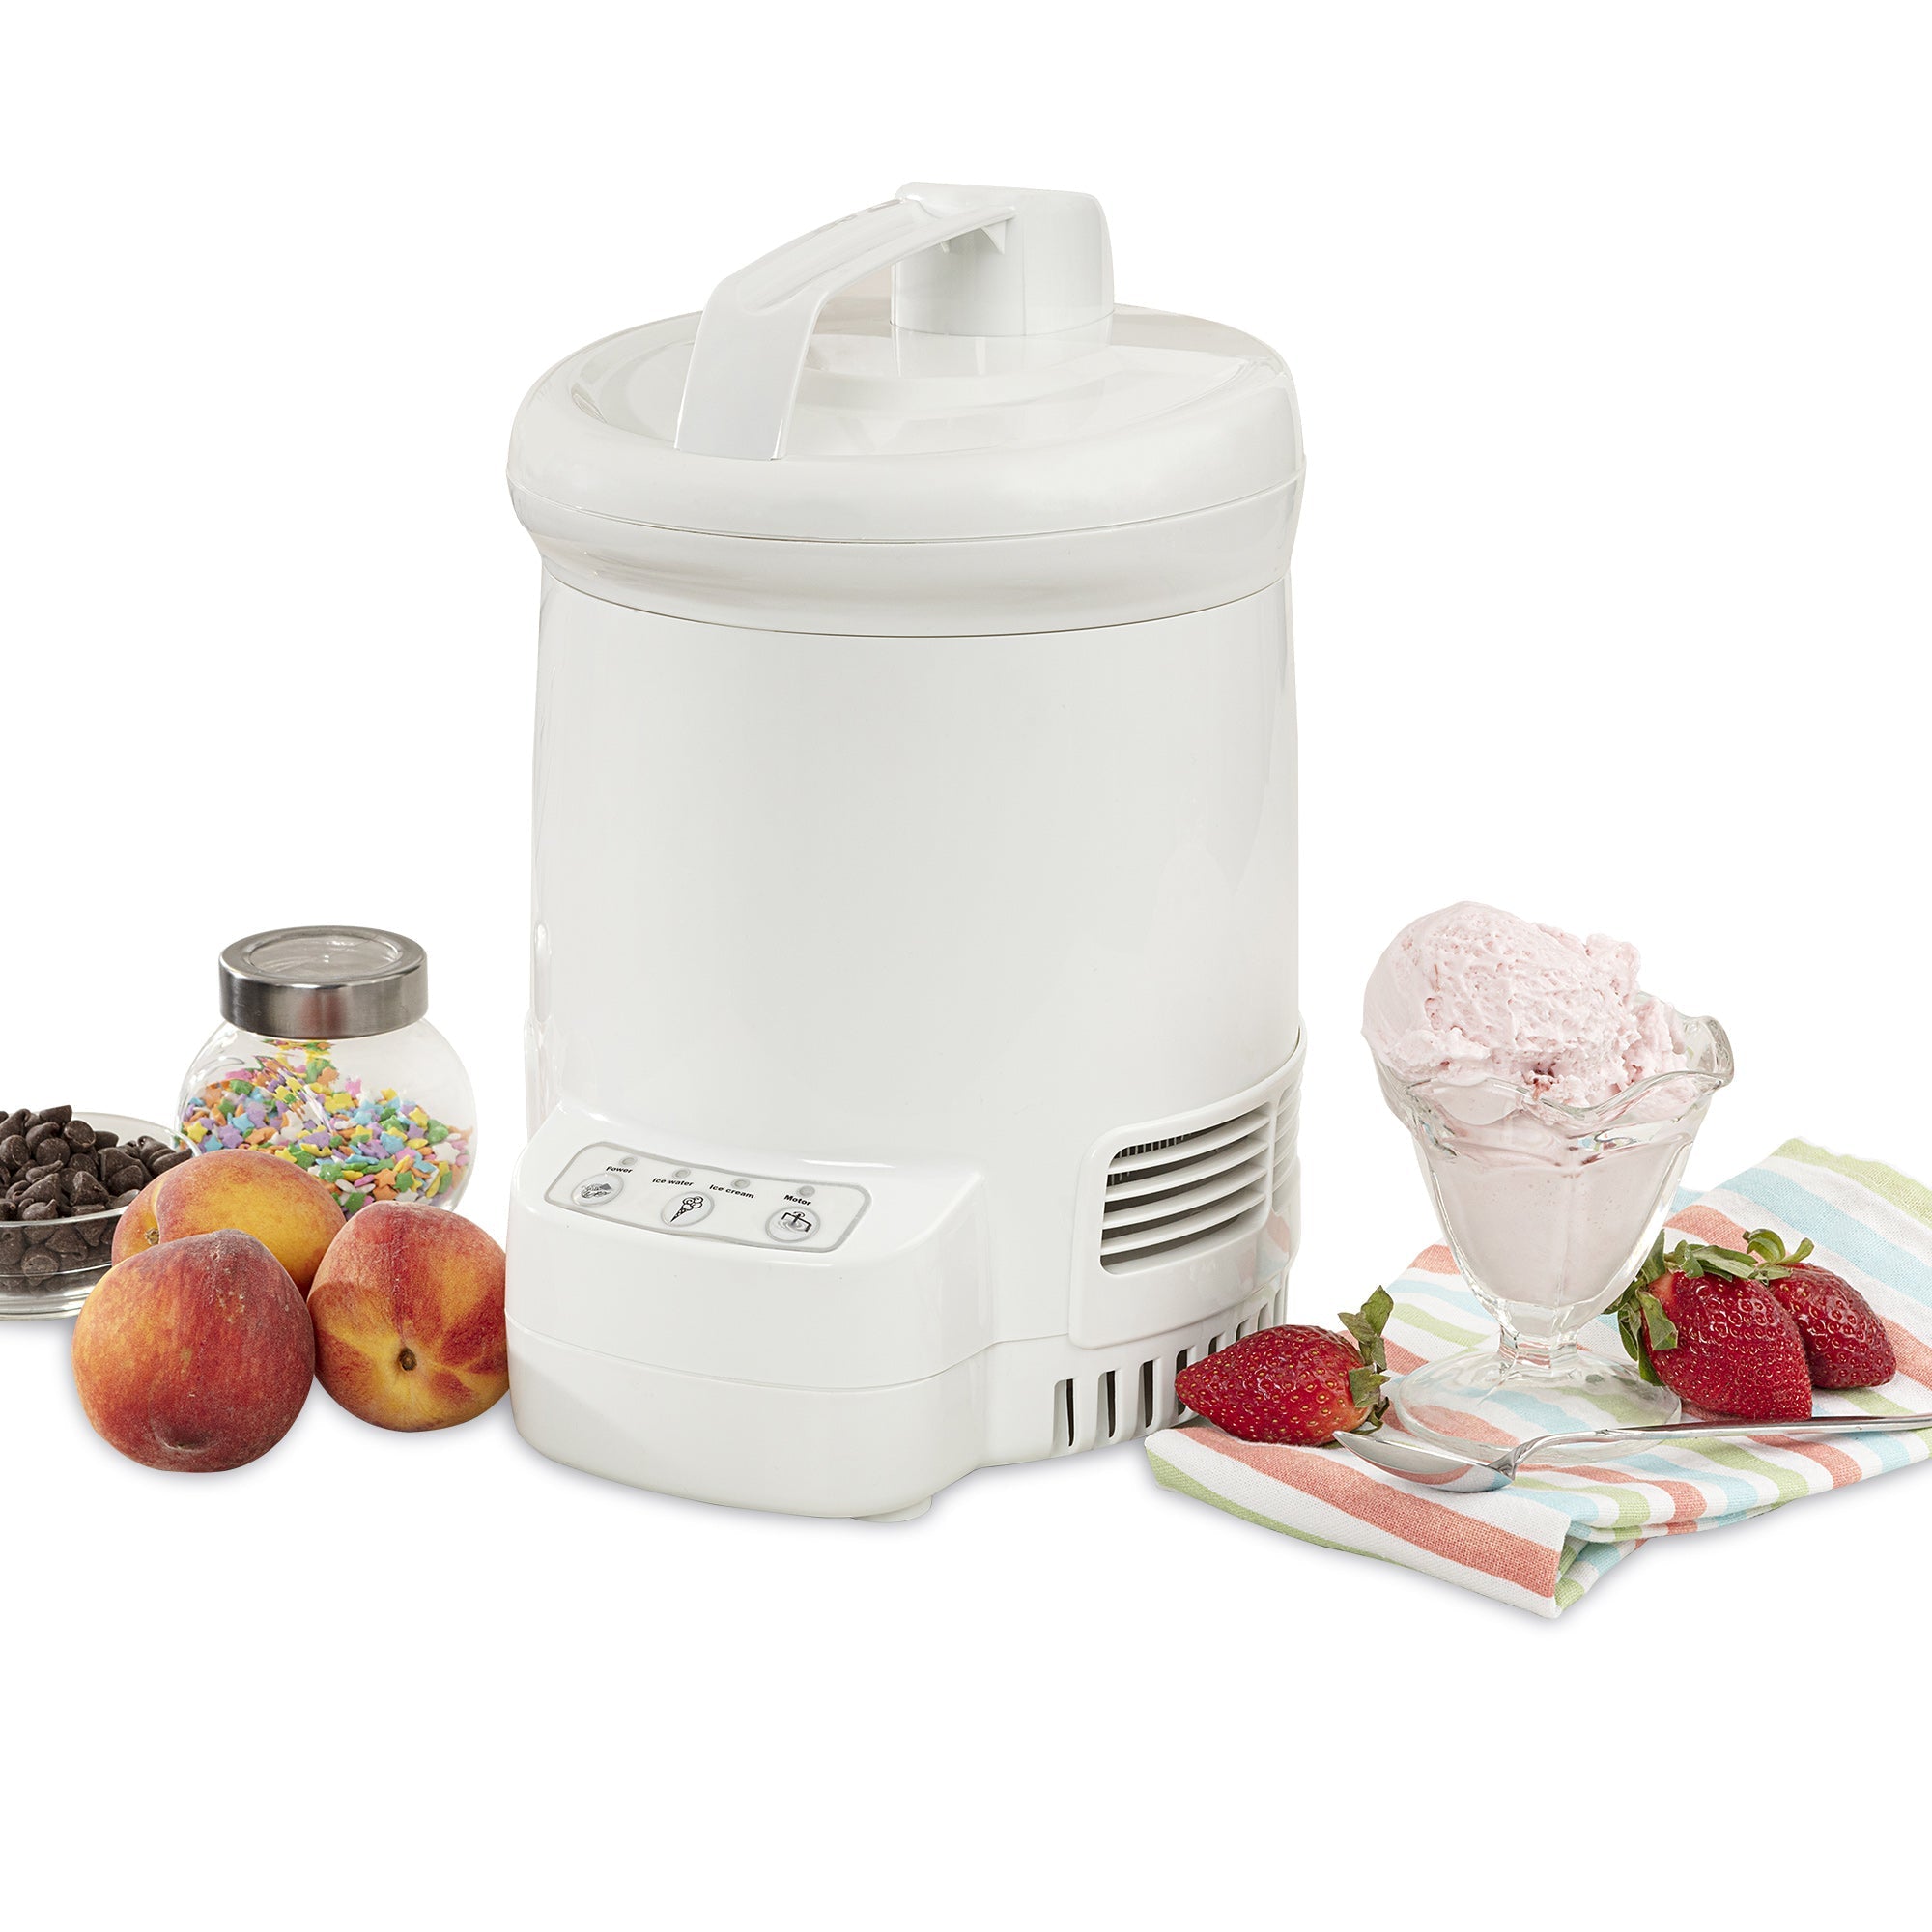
1545 1541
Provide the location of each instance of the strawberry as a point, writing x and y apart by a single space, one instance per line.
1295 1384
1845 1344
1700 1321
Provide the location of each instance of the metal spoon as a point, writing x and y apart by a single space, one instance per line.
1434 1468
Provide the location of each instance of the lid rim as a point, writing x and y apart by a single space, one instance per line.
324 982
996 587
1291 480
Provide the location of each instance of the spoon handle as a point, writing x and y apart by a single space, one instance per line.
1806 1429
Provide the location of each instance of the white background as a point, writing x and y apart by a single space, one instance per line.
1610 329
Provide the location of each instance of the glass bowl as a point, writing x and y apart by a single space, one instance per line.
1549 1210
79 1246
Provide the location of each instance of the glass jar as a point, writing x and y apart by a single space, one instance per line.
326 1057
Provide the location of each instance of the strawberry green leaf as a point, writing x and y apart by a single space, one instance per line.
1655 1267
1364 1386
1768 1246
1626 1323
1762 1258
1659 1331
1367 1327
1695 1259
1631 1327
1644 1327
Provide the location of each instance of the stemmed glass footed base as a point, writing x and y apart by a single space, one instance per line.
1494 1398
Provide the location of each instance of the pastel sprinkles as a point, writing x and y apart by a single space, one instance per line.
296 1104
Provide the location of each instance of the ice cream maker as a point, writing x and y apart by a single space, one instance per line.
913 1046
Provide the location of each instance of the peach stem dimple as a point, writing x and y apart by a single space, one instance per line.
407 1359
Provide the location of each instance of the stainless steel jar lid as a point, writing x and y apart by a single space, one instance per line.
324 982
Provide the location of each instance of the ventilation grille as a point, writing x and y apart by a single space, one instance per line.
1287 1117
1165 1198
1121 1404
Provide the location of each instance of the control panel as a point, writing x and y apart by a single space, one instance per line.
707 1204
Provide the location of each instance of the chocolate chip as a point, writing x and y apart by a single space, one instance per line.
40 1263
64 1184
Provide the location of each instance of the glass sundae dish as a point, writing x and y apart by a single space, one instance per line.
1554 1106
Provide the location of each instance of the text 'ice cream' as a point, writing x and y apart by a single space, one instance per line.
1469 994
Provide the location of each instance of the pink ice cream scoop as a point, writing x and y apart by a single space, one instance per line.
1469 994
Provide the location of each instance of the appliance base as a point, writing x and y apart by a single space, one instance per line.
874 1452
911 1514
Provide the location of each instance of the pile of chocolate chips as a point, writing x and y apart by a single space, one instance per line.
55 1169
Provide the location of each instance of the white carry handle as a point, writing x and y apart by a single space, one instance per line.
965 261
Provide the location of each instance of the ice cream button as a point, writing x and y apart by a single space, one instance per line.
684 1209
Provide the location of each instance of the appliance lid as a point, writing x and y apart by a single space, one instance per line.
991 389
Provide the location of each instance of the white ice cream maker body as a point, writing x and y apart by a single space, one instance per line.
914 1051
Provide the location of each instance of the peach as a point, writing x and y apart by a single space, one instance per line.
408 1317
287 1210
196 1355
136 1228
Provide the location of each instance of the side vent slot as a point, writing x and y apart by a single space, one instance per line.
1287 1117
1117 1406
1167 1198
1063 1418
